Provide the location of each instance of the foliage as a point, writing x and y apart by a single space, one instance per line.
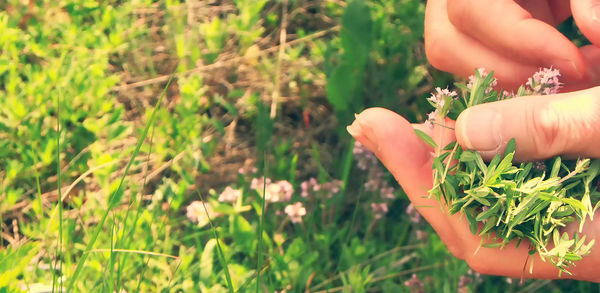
147 194
506 202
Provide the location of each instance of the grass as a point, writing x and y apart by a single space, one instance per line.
100 172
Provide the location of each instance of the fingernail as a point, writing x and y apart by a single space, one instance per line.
480 129
362 135
354 129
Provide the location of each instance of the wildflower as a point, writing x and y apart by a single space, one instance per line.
247 170
421 235
257 183
280 191
463 284
413 214
365 159
197 214
379 209
414 284
328 188
438 99
295 212
545 82
431 118
387 192
230 194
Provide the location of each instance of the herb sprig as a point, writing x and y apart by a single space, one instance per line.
504 201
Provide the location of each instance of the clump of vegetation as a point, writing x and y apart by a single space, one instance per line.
504 201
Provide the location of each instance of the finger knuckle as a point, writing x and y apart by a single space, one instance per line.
545 126
436 51
456 11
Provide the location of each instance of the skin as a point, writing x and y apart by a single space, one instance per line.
515 39
394 142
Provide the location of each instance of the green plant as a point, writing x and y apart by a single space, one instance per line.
503 201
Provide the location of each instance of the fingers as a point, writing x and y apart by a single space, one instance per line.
586 14
395 143
543 126
509 28
451 50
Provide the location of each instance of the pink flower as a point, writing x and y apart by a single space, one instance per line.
230 194
545 81
257 183
414 284
280 191
197 214
295 212
379 209
413 214
387 192
438 99
365 159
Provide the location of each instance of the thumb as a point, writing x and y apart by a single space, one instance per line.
542 126
586 14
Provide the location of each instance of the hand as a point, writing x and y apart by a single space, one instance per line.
409 159
513 38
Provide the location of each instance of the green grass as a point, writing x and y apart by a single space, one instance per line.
100 158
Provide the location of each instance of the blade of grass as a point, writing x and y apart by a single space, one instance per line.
260 222
222 258
112 201
128 238
59 203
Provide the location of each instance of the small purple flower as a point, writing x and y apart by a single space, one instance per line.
295 212
545 82
280 191
438 99
365 159
414 284
421 235
257 183
387 192
230 194
432 118
413 214
197 214
379 209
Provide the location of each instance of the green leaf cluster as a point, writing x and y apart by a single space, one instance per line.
504 201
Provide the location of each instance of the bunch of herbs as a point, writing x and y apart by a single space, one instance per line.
505 201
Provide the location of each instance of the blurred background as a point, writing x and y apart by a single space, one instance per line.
200 146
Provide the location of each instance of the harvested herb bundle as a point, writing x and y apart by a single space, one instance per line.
504 201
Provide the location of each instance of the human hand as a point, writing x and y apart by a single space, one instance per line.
409 159
515 38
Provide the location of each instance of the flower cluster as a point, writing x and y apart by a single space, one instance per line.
365 159
295 212
230 195
327 189
414 284
197 214
441 101
280 191
545 82
376 182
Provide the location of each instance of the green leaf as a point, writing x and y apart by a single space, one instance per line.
467 156
426 138
510 147
490 212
